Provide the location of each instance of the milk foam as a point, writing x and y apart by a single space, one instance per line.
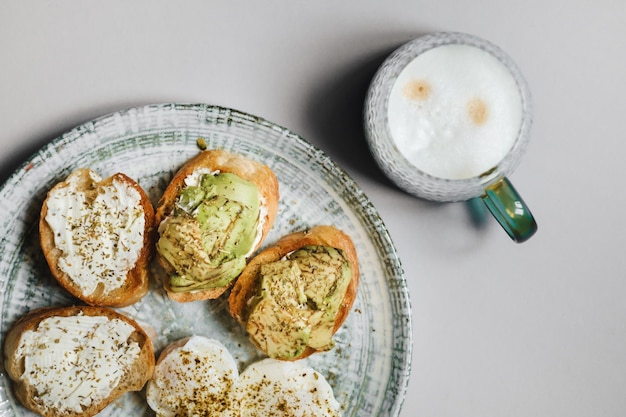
455 111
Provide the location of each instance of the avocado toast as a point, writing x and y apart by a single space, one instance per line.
293 297
214 214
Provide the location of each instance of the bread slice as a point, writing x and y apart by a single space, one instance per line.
223 162
54 355
248 284
97 236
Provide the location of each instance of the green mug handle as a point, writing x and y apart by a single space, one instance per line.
509 209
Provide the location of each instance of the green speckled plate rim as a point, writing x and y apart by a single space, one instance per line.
401 331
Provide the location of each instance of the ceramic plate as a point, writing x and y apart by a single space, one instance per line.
368 368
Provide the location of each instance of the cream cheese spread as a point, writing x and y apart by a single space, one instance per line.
194 178
100 239
74 361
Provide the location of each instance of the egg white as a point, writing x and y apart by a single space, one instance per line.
198 376
272 387
195 376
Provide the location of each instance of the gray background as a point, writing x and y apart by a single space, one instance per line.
500 329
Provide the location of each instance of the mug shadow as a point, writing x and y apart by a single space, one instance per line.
335 116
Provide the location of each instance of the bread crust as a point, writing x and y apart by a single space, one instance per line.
248 282
137 280
133 380
218 160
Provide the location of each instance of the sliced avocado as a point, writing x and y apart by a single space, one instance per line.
300 297
218 277
322 325
228 215
282 281
211 230
232 187
273 323
276 331
325 294
228 227
190 198
180 245
317 261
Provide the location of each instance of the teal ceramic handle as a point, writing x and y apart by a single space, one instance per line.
510 211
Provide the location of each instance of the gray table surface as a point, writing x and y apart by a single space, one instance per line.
499 329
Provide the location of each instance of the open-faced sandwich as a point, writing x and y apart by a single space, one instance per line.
214 214
293 297
197 376
74 361
97 237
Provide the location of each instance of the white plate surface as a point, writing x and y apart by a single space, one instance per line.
370 365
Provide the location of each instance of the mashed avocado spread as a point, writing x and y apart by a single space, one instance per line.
210 232
298 302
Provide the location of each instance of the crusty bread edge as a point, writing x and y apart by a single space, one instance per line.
247 284
137 279
137 376
218 160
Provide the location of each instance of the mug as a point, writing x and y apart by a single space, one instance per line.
447 118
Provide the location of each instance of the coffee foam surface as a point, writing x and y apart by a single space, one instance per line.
455 111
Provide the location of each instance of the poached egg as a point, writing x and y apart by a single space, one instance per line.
197 376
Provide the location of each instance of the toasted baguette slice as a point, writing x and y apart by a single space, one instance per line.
54 355
102 256
223 162
248 284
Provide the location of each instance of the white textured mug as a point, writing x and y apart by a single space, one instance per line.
447 118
